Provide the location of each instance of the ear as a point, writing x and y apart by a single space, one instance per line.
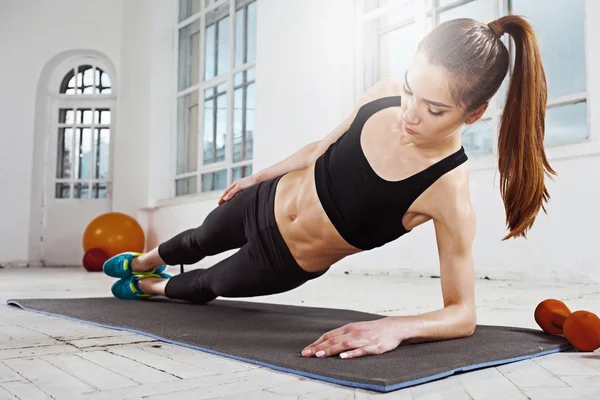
475 115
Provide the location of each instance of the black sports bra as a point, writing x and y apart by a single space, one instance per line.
365 209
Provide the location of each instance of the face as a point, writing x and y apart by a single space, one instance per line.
429 114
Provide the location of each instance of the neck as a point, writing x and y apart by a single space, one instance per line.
437 149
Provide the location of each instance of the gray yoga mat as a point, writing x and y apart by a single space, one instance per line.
273 335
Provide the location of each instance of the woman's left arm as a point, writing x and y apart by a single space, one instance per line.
454 234
455 231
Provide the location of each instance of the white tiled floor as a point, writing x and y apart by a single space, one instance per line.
45 357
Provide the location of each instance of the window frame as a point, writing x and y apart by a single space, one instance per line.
494 112
227 78
74 101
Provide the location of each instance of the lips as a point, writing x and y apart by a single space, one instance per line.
409 131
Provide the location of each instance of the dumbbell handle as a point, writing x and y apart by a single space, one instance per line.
558 319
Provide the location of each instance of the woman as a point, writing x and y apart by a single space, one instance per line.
395 163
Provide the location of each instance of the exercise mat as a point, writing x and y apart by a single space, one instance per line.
273 335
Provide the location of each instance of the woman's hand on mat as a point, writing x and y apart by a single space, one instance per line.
237 186
356 340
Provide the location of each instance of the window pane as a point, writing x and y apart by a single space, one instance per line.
251 43
238 79
566 124
215 128
214 181
83 146
66 116
563 55
209 127
238 122
186 186
475 9
189 55
247 145
223 41
397 49
62 191
209 2
187 8
477 139
102 116
99 191
85 79
243 119
187 133
88 81
251 74
81 191
217 42
101 153
240 34
241 172
103 82
64 163
209 51
84 116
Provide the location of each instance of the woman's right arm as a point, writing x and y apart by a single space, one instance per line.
308 154
301 159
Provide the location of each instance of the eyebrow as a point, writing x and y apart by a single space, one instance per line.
433 103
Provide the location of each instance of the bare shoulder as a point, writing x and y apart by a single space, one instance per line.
383 88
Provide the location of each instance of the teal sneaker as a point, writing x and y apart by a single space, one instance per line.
119 266
129 289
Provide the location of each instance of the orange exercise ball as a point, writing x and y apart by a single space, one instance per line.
114 233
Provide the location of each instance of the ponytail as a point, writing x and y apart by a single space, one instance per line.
521 157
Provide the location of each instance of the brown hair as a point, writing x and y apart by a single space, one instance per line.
478 61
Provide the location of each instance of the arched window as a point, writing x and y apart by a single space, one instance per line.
86 79
83 132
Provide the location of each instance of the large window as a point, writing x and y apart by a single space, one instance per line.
215 94
392 29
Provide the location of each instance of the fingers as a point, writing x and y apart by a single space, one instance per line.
229 193
362 351
338 345
308 350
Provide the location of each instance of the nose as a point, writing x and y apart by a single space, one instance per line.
410 114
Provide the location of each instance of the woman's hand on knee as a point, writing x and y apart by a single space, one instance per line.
236 187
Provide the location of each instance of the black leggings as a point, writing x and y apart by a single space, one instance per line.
263 264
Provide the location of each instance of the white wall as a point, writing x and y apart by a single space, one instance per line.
32 34
145 103
304 75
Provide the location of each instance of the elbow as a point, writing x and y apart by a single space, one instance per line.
467 322
470 330
469 325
